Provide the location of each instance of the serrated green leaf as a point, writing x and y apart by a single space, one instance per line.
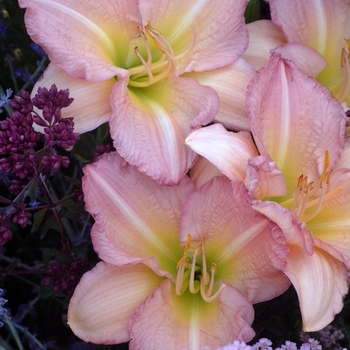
38 218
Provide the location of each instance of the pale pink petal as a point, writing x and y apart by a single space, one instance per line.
264 179
149 126
296 232
216 28
321 282
105 298
248 250
203 171
136 219
228 151
230 83
332 224
188 322
305 57
344 161
264 36
91 106
294 120
88 39
322 25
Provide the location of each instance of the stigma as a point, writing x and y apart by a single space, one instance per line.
192 273
309 197
157 62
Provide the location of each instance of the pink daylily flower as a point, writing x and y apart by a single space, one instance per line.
298 129
315 34
180 266
136 54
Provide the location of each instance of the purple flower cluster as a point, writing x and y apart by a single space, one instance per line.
26 153
19 139
64 277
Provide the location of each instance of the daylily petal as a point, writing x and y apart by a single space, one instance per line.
322 25
80 37
149 127
264 179
332 224
217 29
306 58
187 322
264 36
294 120
106 298
136 219
91 106
203 171
230 83
250 247
296 232
320 298
227 150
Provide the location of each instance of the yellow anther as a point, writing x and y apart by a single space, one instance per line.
327 161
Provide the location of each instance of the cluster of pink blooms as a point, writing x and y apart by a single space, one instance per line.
231 175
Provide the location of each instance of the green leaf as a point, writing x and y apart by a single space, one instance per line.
32 190
11 267
70 205
84 147
253 11
38 218
45 292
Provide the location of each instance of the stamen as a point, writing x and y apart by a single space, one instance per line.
194 287
152 72
213 297
145 64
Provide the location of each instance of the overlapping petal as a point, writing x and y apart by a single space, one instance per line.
80 37
105 299
321 283
149 126
90 107
203 171
322 25
249 244
230 82
189 320
294 120
264 36
217 29
227 150
136 220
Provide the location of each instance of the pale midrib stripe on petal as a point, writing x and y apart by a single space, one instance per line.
322 27
285 122
336 224
133 218
188 20
241 241
79 17
194 335
168 130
